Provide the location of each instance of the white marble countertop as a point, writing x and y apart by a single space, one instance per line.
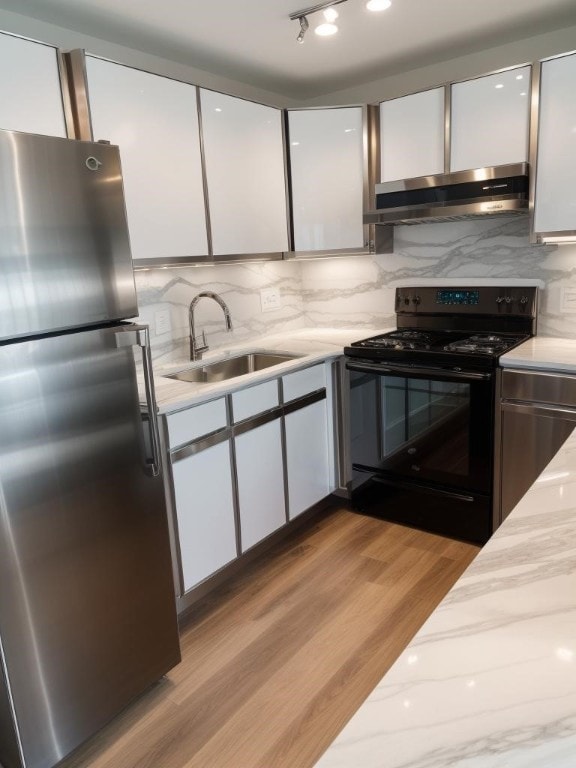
489 681
311 344
546 353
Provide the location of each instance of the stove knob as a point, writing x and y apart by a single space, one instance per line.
407 300
508 299
416 300
524 300
499 299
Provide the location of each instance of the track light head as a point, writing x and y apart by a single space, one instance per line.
328 11
303 28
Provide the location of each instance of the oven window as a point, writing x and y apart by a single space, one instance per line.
428 430
427 420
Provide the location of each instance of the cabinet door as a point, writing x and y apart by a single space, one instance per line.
30 94
244 151
555 204
307 458
412 136
154 121
260 473
326 168
490 120
205 513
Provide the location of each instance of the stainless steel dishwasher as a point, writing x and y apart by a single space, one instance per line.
537 415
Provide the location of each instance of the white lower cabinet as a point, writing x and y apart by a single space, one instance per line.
259 467
204 499
307 457
276 447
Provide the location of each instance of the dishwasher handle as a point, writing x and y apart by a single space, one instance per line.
549 411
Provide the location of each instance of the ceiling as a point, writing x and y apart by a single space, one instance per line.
253 41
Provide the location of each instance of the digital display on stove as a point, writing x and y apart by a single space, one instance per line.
457 297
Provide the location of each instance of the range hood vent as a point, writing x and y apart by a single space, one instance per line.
502 190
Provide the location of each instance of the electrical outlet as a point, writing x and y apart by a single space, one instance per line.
568 303
162 322
270 299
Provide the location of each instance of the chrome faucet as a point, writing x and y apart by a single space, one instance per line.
195 350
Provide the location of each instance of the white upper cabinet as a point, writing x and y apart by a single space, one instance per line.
555 202
326 167
154 121
30 93
490 120
244 155
412 136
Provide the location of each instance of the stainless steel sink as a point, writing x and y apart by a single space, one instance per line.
231 367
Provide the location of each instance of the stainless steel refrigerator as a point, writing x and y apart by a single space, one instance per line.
87 611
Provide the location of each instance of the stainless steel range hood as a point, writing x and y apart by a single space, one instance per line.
502 190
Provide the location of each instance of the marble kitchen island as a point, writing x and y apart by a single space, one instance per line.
489 681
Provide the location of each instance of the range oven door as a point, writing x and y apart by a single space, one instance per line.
422 445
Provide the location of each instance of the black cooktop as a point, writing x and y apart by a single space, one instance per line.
448 341
436 347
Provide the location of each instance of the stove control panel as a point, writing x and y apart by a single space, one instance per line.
484 300
451 297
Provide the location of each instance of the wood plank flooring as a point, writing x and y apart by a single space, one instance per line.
279 658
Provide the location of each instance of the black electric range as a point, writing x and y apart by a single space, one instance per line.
422 406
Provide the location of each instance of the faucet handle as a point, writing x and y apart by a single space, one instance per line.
196 349
204 346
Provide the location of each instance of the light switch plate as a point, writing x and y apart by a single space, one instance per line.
270 299
162 322
568 302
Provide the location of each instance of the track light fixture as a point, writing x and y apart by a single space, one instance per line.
328 26
303 28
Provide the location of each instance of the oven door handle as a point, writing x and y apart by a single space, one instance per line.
430 373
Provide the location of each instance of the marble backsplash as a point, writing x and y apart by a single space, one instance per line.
357 291
239 285
338 293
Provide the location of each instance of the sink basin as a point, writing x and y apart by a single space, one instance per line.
222 370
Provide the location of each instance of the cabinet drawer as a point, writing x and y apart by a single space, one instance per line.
303 382
195 422
249 402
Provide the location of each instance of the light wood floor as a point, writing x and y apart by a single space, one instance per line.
278 659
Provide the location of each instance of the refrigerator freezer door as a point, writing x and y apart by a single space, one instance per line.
64 247
87 608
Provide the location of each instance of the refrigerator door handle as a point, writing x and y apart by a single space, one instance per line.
139 335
